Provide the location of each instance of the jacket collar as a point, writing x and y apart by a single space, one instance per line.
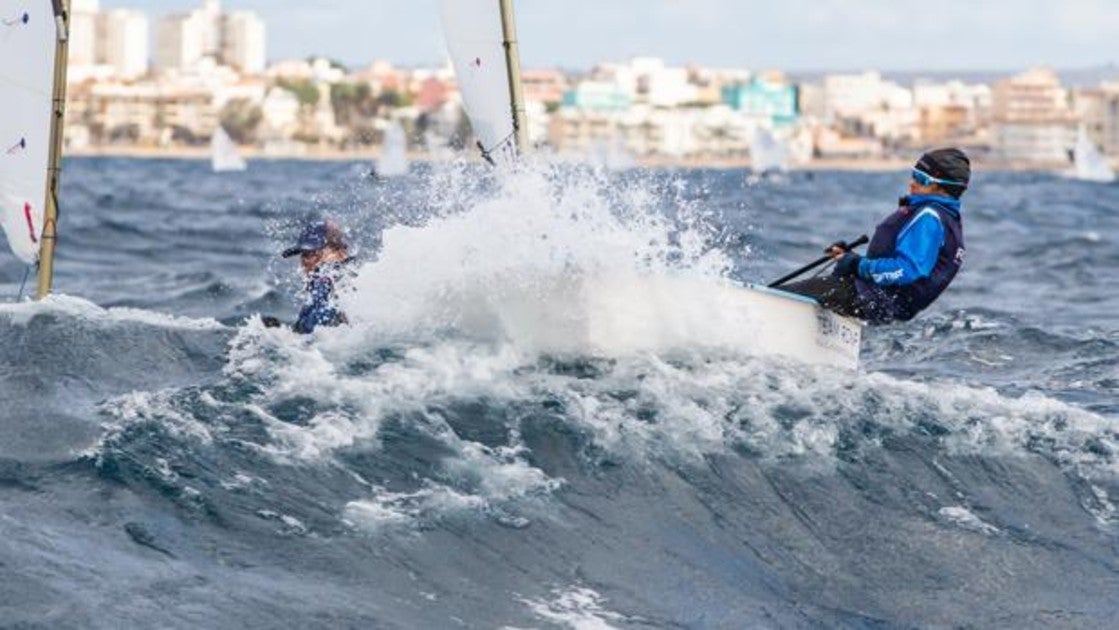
948 204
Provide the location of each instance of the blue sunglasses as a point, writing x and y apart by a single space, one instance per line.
924 179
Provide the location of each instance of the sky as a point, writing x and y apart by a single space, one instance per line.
796 35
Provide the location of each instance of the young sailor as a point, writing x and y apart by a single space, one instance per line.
324 256
914 254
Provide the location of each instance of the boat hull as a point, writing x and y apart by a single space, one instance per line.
626 314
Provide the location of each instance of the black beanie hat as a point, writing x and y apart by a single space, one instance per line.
950 164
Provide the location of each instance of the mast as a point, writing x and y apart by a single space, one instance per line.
513 66
54 170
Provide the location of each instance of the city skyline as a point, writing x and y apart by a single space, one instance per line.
797 35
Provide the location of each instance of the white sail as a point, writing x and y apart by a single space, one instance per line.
618 156
394 152
1088 163
27 51
767 154
472 29
223 153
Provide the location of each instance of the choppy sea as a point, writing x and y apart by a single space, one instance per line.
166 461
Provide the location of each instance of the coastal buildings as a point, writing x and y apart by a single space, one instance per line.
950 113
1033 121
211 68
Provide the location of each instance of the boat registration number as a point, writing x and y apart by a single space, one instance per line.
838 333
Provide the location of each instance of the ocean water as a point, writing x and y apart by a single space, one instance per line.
446 461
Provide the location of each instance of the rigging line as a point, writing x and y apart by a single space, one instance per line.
487 154
22 285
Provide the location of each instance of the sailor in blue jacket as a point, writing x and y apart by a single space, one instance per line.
914 254
324 257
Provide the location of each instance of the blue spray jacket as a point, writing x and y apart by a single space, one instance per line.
913 257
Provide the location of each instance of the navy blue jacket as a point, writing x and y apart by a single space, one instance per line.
320 307
913 257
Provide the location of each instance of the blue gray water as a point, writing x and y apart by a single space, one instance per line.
168 462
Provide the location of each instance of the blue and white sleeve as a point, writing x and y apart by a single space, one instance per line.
917 249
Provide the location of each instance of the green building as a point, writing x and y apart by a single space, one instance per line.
776 101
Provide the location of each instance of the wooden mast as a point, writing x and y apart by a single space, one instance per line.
513 66
54 170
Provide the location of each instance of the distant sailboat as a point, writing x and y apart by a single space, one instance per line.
1088 163
223 153
767 154
33 49
394 153
618 156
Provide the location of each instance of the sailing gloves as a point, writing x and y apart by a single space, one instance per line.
848 265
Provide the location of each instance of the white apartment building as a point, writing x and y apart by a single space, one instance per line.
83 34
210 19
123 35
855 94
181 41
952 93
106 44
243 42
1033 121
669 87
280 111
236 39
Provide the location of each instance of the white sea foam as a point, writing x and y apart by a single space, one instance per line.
966 519
553 267
22 312
577 607
159 407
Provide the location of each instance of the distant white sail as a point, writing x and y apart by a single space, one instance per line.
472 29
27 51
767 154
394 152
223 153
1088 163
801 146
618 156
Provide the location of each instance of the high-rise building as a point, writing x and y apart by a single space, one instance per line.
210 22
105 44
181 41
243 42
235 39
123 35
83 34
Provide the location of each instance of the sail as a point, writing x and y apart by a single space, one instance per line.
767 154
27 51
223 153
394 152
472 29
1088 163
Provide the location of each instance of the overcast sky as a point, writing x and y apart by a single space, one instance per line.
754 34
